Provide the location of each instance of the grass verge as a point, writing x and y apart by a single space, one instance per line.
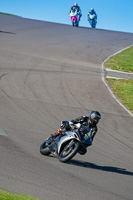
122 61
124 90
8 14
9 196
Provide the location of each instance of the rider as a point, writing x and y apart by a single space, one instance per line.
92 12
75 6
90 121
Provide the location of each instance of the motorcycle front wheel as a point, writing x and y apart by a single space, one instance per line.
44 150
68 151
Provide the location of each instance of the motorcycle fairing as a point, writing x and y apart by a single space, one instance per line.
92 16
69 136
74 16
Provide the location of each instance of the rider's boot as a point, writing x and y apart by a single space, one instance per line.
82 151
56 134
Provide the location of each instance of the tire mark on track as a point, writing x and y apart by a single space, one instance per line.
116 139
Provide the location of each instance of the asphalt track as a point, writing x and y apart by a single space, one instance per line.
51 72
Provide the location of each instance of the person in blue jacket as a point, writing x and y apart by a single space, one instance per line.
92 11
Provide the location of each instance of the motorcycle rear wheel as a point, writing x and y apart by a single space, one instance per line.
44 150
66 155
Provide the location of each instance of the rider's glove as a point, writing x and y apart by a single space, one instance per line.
70 123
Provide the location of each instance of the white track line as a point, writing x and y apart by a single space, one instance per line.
106 84
120 72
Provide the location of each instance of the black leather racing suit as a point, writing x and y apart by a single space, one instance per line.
84 120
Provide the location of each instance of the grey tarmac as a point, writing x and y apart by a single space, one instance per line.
51 72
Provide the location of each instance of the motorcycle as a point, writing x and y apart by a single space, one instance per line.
92 20
74 16
68 144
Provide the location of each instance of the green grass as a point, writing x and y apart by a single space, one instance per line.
122 61
8 196
8 14
122 88
124 91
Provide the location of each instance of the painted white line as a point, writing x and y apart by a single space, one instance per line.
2 132
113 77
111 70
104 80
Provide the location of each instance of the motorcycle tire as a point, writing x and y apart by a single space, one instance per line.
70 155
44 150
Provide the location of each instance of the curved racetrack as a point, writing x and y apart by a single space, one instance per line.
51 72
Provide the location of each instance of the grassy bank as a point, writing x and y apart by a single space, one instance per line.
124 91
8 14
122 88
122 61
8 196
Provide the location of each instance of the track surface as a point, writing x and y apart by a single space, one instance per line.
51 72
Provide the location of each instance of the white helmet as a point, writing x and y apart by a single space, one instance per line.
75 4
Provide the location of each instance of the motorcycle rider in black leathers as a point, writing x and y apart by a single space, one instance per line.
85 122
75 6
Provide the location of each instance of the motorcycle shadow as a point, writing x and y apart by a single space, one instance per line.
101 168
7 32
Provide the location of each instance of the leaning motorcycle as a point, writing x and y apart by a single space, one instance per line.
68 144
74 16
92 20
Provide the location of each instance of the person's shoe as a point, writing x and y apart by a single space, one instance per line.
82 151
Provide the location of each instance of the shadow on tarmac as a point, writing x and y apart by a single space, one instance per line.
7 32
102 168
